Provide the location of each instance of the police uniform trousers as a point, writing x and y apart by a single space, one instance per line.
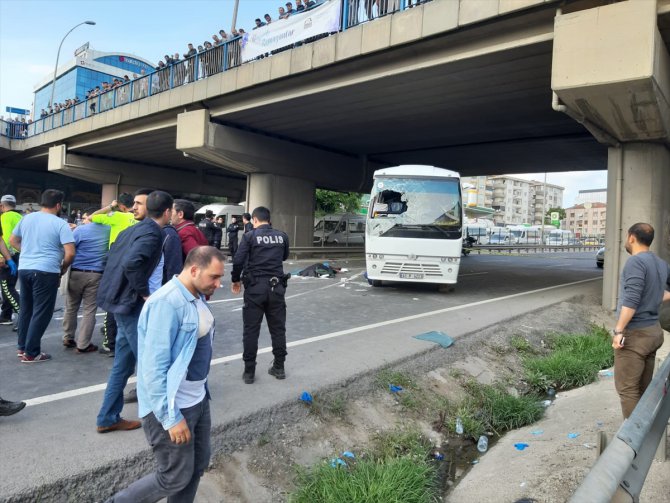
261 299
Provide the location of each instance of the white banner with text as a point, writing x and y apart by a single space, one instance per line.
319 20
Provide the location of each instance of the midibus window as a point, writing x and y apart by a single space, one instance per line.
418 208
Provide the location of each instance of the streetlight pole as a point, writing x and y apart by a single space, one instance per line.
237 4
53 83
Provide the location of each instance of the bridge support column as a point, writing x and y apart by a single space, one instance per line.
637 186
111 191
290 201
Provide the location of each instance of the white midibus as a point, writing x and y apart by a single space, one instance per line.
414 226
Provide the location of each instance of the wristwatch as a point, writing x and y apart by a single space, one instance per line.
617 332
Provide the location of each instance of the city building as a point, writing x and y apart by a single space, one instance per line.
544 197
591 196
88 69
516 201
587 219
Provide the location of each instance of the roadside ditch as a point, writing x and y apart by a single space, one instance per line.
397 426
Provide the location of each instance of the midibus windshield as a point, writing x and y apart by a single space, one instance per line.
416 208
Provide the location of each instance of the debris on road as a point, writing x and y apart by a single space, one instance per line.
437 337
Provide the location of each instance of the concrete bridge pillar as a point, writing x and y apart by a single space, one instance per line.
638 181
611 73
111 191
290 201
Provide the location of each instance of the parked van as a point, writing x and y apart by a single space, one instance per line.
227 211
346 229
522 235
559 237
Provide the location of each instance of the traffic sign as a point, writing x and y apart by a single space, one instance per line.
17 111
555 218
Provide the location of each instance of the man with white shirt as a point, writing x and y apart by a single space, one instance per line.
175 334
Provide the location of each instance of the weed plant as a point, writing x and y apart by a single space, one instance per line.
395 469
574 361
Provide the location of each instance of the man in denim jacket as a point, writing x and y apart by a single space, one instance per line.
175 333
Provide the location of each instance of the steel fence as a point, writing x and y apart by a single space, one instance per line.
620 472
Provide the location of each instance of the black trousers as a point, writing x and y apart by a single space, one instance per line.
232 246
261 299
109 331
10 297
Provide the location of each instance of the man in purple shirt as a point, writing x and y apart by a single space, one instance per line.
91 245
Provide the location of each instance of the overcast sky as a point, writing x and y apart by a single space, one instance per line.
30 31
573 181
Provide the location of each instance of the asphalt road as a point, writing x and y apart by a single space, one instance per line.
316 306
338 330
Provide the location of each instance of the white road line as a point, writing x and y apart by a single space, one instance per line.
217 361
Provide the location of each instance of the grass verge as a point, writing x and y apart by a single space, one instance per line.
396 468
574 361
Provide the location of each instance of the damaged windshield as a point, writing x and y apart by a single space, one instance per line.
416 208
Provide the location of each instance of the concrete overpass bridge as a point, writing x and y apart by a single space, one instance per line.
483 87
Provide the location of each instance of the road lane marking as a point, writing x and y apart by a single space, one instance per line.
225 359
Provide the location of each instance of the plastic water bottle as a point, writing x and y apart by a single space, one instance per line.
483 444
459 426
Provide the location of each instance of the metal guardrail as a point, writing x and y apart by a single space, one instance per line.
620 471
297 252
533 248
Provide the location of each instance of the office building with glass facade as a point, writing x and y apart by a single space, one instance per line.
87 70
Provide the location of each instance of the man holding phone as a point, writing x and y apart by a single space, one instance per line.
637 333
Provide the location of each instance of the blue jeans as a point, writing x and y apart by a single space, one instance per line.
178 467
125 357
38 298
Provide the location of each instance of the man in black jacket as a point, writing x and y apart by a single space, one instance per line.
123 289
207 227
232 231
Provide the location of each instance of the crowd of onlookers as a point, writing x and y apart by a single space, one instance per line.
175 70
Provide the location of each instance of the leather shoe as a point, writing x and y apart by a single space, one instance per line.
122 425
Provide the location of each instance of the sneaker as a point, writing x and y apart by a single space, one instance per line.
131 396
276 371
20 352
42 357
6 321
69 344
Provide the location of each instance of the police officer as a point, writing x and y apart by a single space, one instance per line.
258 263
246 220
232 231
218 232
207 227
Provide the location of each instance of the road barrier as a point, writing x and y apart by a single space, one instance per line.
619 473
533 248
326 251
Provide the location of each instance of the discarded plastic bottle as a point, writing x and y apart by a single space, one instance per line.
483 444
551 392
459 426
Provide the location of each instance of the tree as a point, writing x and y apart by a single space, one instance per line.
547 216
328 201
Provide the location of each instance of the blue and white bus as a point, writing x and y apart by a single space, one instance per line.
414 226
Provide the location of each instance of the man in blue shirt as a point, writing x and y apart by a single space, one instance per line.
175 333
47 249
91 243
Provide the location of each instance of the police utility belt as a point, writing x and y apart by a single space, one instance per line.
249 279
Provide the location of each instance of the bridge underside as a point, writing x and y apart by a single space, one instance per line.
478 101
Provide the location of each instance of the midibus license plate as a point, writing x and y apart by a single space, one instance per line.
410 275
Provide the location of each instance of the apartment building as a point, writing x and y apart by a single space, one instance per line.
516 201
587 219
